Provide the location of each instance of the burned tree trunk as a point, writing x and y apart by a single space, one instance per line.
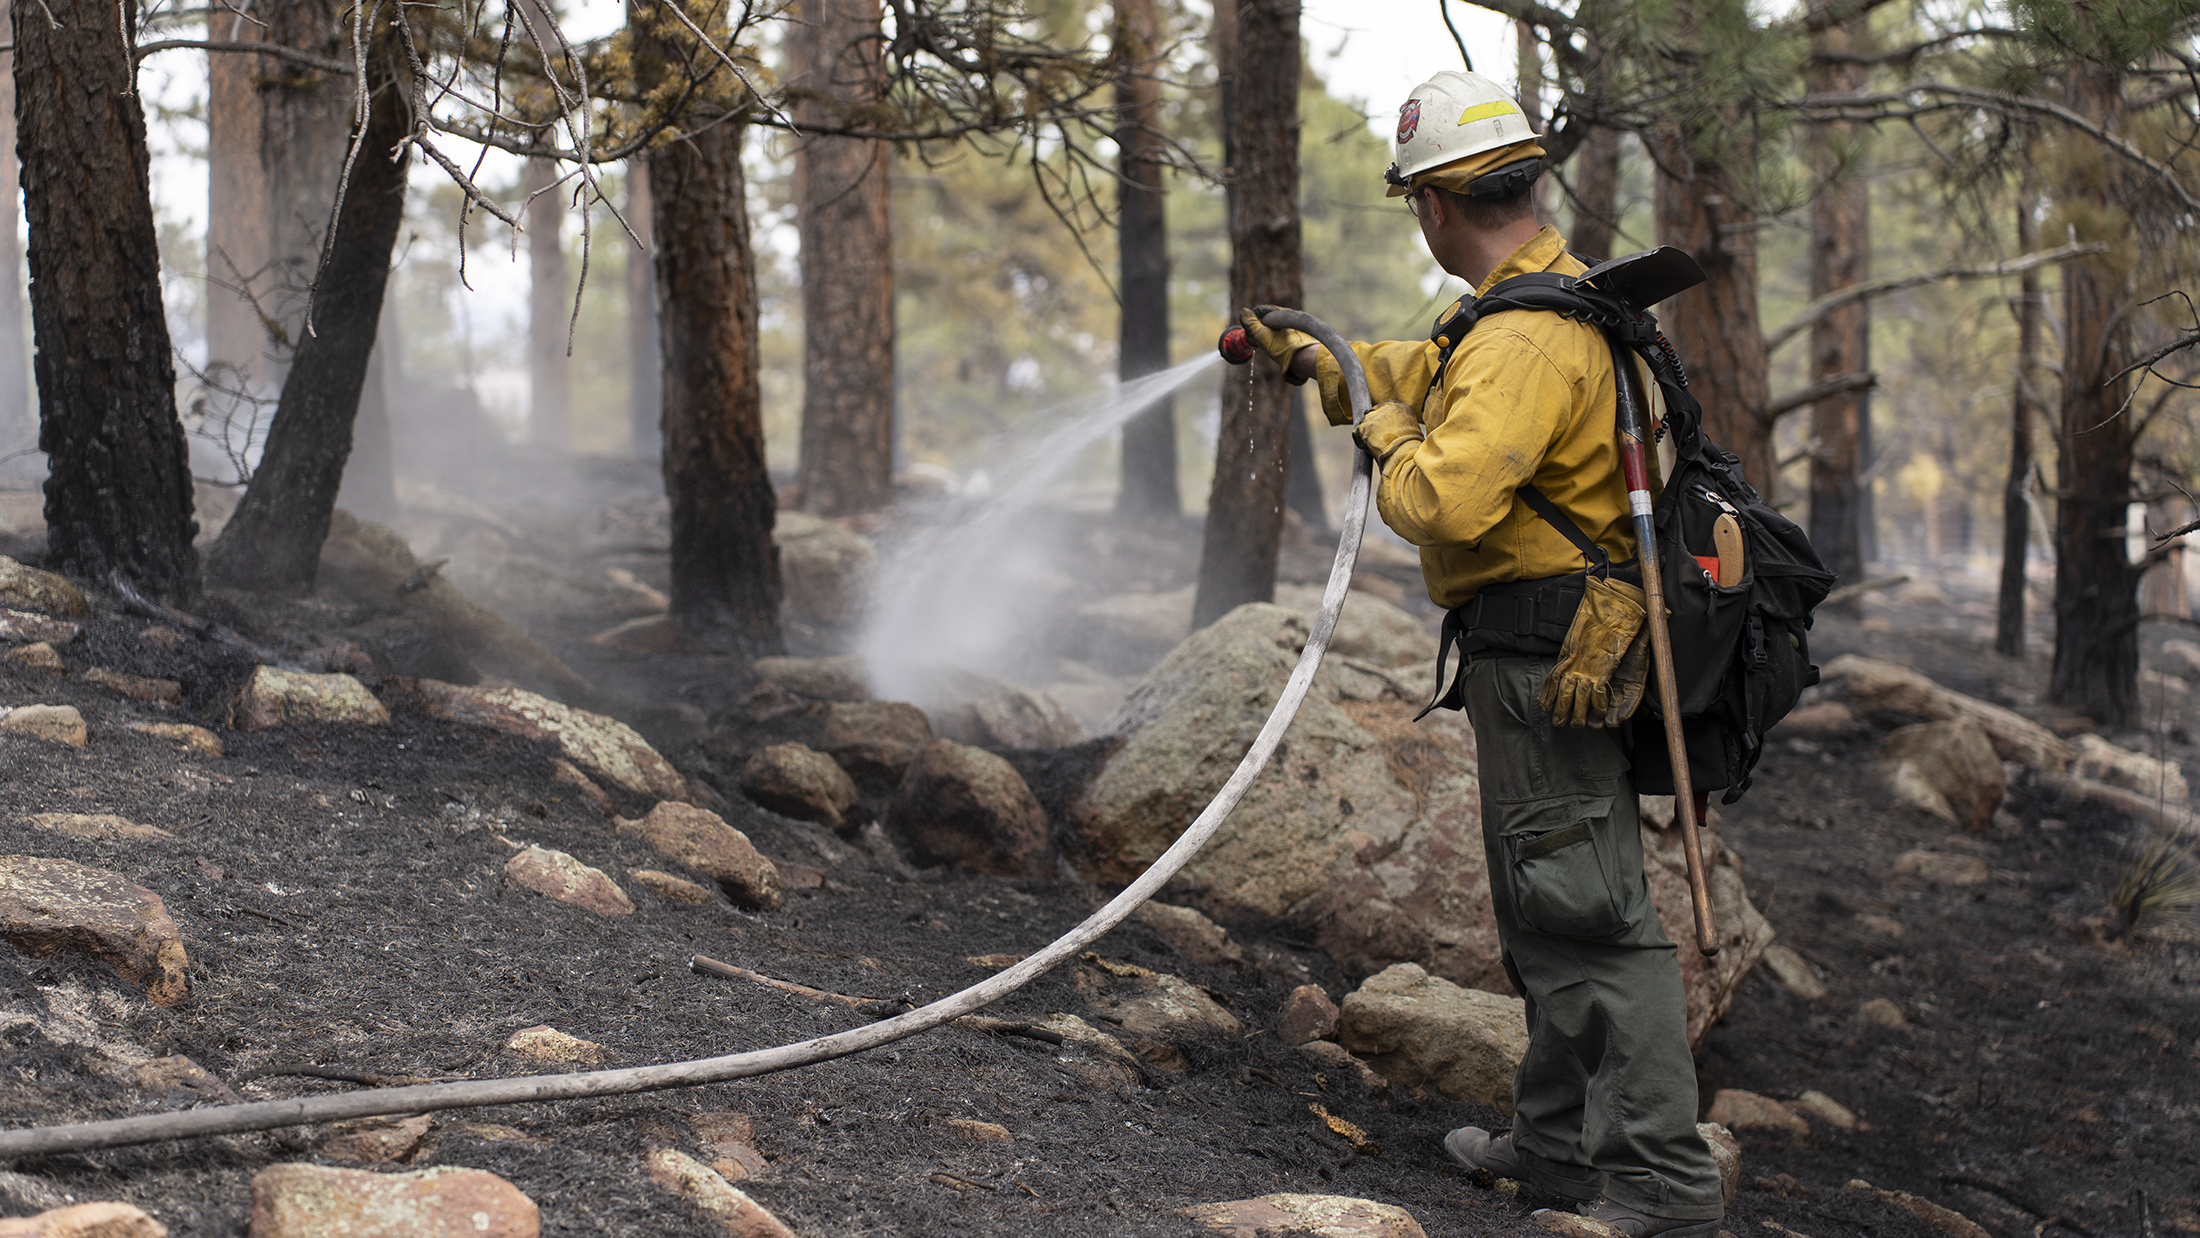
1149 486
2096 587
844 199
725 569
1840 257
549 311
1703 207
2016 508
1258 52
118 488
273 542
1595 232
646 379
15 378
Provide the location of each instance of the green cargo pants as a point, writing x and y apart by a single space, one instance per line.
1605 1100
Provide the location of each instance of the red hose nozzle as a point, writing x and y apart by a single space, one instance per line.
1235 347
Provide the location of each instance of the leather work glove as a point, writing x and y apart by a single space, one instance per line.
1387 427
1281 346
1584 687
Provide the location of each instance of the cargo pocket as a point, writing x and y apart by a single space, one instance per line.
1565 875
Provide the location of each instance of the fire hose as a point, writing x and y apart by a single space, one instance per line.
422 1098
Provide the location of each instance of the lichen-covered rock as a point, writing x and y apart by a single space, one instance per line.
38 656
1947 768
1416 1028
556 875
18 626
727 1206
543 1043
275 697
56 724
137 687
1319 1216
965 807
313 1201
701 841
800 782
196 740
28 588
673 889
1155 1004
48 905
605 748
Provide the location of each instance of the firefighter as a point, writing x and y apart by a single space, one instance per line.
1465 432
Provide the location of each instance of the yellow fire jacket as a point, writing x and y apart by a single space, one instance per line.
1528 397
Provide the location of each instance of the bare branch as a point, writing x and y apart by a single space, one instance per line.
1838 384
1825 305
275 50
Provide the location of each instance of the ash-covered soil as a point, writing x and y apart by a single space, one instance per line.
342 895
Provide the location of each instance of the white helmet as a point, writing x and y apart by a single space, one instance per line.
1449 117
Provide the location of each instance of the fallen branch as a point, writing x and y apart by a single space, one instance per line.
1896 283
712 967
1862 587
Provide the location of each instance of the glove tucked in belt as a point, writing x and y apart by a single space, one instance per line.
1386 428
1604 662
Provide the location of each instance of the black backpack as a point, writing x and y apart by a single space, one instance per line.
1741 653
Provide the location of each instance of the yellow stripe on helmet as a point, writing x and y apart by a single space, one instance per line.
1483 111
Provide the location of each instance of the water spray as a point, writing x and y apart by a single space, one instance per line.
422 1098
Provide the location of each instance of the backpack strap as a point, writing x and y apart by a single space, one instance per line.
1600 563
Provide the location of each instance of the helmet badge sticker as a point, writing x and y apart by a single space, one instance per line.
1409 120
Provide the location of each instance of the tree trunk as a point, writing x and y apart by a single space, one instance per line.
1259 59
549 312
844 198
237 202
1840 342
725 569
1703 207
16 422
2096 668
273 542
645 378
306 132
118 487
1149 487
2016 508
1595 232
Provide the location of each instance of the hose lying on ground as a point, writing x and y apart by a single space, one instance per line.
267 1115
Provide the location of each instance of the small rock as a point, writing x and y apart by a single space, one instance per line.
376 1141
1879 1012
196 740
556 875
567 774
824 566
1737 1110
1823 718
1164 1008
94 825
38 656
48 905
1416 1028
1824 1108
1946 1220
1941 868
1195 936
161 637
1105 1065
543 1043
1726 1153
17 627
138 687
672 889
28 588
702 842
344 658
182 1083
800 782
57 724
1572 1225
1307 1014
729 1139
819 679
2134 771
1792 971
973 1131
793 876
274 697
98 1220
311 1201
968 808
1318 1216
644 635
726 1205
1884 926
1336 1057
1947 768
873 740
